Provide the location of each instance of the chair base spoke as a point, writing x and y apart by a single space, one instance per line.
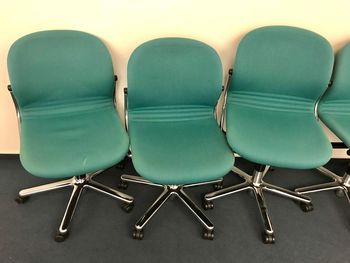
340 185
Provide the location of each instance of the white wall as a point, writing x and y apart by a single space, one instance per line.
123 25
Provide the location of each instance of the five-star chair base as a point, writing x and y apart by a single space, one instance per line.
78 183
256 184
168 191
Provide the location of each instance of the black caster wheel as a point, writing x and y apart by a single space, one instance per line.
123 185
21 199
208 234
271 169
268 238
60 237
339 193
127 207
306 207
218 186
137 234
208 205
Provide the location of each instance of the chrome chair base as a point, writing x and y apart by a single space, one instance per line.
168 191
78 183
256 184
341 184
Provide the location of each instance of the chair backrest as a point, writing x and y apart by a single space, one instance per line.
177 73
340 89
51 69
285 64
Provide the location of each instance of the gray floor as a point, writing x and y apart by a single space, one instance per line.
101 231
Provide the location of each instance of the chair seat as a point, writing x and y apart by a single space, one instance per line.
84 142
281 138
176 152
339 123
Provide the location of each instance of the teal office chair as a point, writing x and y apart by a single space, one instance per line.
63 86
334 110
173 87
279 74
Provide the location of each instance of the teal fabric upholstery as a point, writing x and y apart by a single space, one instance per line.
63 83
279 73
334 107
173 87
